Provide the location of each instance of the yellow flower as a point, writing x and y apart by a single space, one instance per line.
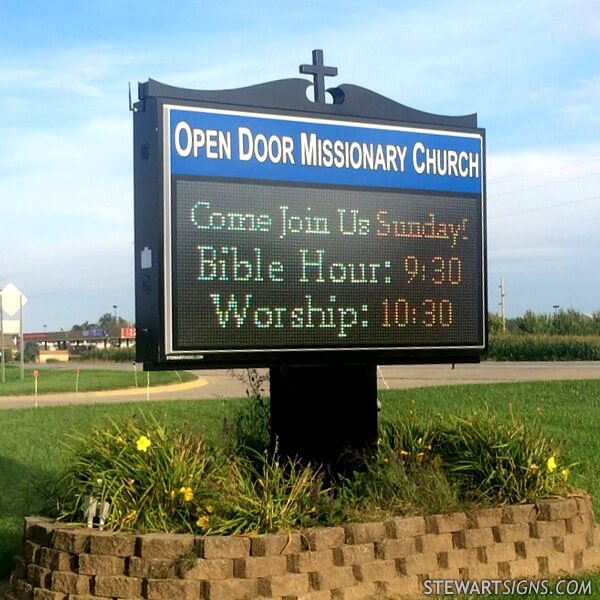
533 467
403 453
120 441
202 522
143 444
130 516
187 493
210 509
172 494
565 474
551 464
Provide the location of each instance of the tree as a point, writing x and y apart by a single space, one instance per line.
106 321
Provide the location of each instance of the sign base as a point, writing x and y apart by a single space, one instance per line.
323 414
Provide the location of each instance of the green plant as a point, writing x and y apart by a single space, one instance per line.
544 347
155 479
265 493
248 430
125 354
501 462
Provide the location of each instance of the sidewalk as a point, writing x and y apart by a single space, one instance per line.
104 397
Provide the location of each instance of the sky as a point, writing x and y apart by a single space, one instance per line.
530 70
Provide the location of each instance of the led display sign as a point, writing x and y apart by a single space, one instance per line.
281 237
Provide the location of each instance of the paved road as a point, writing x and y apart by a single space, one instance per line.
221 383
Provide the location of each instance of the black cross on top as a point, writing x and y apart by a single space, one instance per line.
319 72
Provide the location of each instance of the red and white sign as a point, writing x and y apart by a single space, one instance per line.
127 333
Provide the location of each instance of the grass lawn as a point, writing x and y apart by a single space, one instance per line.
30 439
51 381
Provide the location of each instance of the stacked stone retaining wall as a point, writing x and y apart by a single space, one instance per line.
385 559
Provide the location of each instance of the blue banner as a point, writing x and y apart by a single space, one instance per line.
292 149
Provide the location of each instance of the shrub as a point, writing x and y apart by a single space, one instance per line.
265 493
155 479
249 428
162 480
501 462
109 354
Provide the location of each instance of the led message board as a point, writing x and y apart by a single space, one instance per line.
266 237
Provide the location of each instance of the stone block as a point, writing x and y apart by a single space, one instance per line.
118 586
305 562
378 570
231 589
591 558
574 541
155 568
312 595
585 505
474 538
365 533
22 590
323 538
169 589
330 579
434 542
395 548
547 529
405 527
522 569
449 523
97 564
31 552
45 594
485 517
70 540
418 564
112 544
56 560
535 548
557 564
554 510
518 514
361 591
276 545
225 547
210 569
480 571
516 532
456 559
38 530
579 524
39 576
404 586
291 584
253 567
499 553
164 545
70 583
356 554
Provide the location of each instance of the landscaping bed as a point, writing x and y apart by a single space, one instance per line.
396 556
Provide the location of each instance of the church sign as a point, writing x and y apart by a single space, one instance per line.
271 229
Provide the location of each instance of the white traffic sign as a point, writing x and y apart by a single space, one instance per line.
11 299
11 326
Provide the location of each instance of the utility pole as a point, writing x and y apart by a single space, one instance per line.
502 305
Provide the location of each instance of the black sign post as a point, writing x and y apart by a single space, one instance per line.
317 239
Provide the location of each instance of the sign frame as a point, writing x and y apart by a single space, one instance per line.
286 99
